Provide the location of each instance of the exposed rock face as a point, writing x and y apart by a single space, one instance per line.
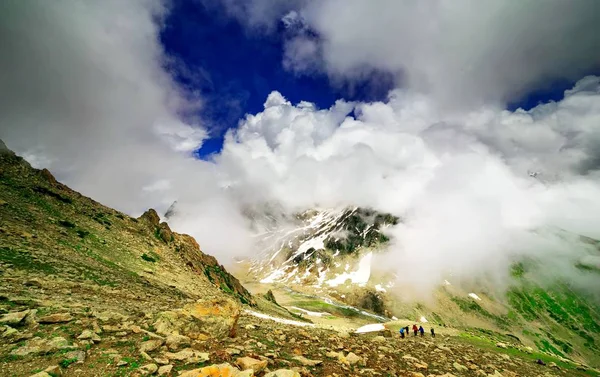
215 318
208 265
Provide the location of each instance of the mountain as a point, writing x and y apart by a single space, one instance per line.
329 253
313 246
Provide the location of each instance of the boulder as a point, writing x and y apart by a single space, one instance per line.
216 318
165 370
39 346
283 373
308 362
176 342
217 370
14 318
151 345
188 356
148 369
56 318
251 363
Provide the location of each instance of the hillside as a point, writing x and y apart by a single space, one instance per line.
88 291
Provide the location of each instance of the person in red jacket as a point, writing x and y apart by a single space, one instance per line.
415 329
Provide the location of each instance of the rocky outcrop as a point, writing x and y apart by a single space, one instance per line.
201 263
209 318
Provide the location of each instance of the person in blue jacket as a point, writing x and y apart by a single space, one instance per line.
402 332
421 330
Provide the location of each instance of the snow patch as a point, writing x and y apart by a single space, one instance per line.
379 288
474 296
370 328
360 276
308 312
276 319
423 320
446 282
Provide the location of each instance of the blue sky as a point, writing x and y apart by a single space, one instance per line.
234 70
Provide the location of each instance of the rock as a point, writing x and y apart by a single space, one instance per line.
79 355
501 345
553 365
32 283
212 371
122 363
148 369
165 370
39 346
251 363
41 374
56 318
188 355
271 297
161 360
109 316
233 351
176 342
146 356
283 373
215 318
14 318
86 334
459 367
250 327
351 359
9 332
379 339
540 362
307 362
151 345
53 370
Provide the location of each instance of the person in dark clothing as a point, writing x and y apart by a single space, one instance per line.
415 330
432 333
421 330
407 332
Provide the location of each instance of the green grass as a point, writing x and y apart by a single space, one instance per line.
514 352
148 258
23 260
471 306
64 363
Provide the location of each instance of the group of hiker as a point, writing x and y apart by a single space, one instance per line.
416 330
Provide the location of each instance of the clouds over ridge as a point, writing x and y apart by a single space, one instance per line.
85 92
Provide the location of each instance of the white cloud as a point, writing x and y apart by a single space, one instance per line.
462 52
460 180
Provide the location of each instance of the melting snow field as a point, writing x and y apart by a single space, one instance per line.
360 276
275 319
308 312
370 328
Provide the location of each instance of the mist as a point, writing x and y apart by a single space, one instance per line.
87 93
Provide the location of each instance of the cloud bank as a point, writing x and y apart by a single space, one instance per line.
86 92
477 190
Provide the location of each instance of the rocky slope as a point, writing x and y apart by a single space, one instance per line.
88 291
